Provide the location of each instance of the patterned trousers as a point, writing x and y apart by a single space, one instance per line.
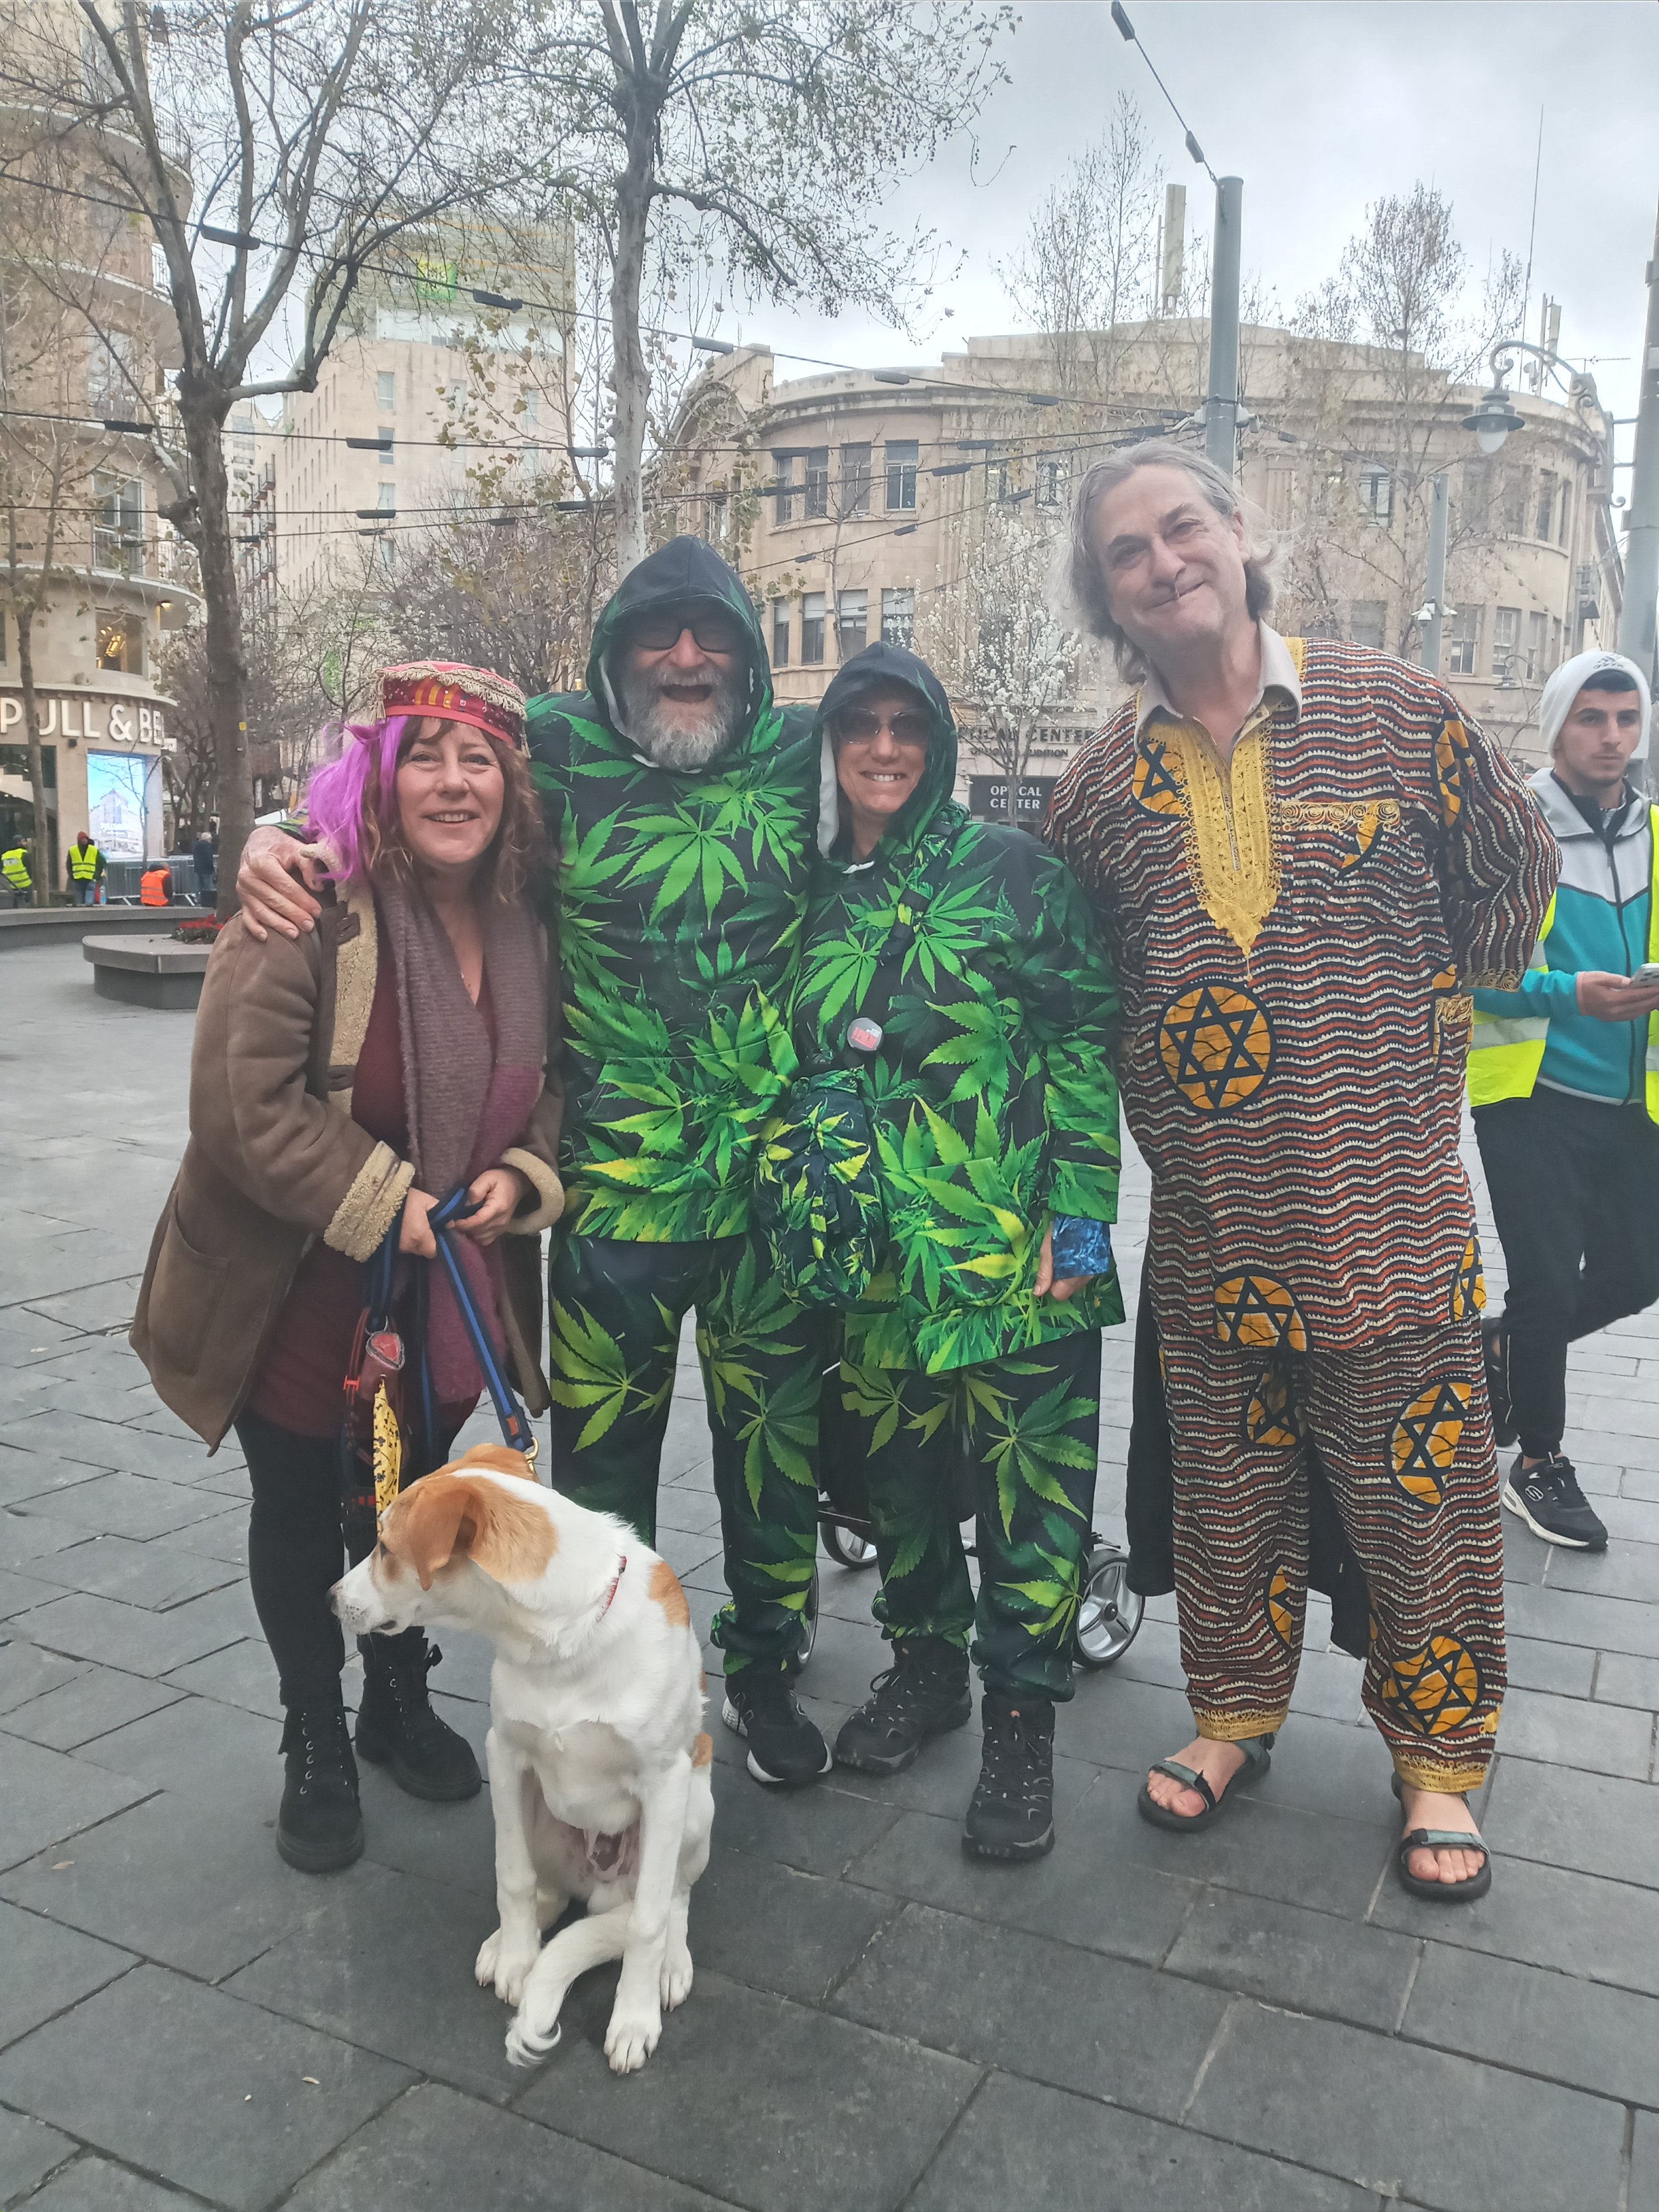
615 1315
1404 1435
1014 1441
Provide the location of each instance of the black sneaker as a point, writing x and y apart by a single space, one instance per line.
784 1747
924 1692
1495 1348
1012 1812
1548 1499
319 1825
397 1727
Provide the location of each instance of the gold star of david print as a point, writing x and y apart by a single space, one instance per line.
1425 1440
1255 1309
1361 838
1451 755
1217 1046
1469 1294
1280 1606
1270 1421
1157 786
1435 1688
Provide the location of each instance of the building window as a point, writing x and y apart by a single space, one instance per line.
783 468
1480 479
811 629
901 456
1050 481
1555 643
855 480
388 458
1534 669
1377 496
852 623
388 387
1461 639
120 645
898 616
780 633
1367 620
999 481
1506 644
388 499
4 635
818 481
112 374
530 408
1515 503
1281 494
118 535
1565 517
1544 518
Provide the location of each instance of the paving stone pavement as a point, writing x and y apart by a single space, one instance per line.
1257 2017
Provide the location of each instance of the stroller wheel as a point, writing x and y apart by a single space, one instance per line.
1110 1616
809 1619
845 1545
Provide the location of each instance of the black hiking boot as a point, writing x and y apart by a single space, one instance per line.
397 1727
319 1825
784 1747
924 1692
1012 1812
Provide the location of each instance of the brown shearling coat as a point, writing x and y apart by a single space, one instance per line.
274 1160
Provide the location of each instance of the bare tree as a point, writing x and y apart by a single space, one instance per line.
265 145
782 124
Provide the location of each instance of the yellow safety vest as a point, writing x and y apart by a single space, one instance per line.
1506 1054
83 862
15 866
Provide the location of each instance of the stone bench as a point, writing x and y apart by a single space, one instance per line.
146 971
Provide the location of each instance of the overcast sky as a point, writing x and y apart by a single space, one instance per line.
1322 105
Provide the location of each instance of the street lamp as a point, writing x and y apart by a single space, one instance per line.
1493 419
1496 415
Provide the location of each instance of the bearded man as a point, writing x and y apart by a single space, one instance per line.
681 805
1305 858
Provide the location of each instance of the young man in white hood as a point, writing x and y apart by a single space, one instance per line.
1564 1077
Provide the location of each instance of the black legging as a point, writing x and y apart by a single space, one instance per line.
296 1552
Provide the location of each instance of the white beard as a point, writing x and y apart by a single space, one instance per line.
668 743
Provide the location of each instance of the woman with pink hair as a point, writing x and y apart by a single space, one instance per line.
343 1083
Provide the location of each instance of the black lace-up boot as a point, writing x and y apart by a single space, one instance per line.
924 1692
397 1727
1012 1813
319 1826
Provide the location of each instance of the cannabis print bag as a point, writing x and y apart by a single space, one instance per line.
818 1201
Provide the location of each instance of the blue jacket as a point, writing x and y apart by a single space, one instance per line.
1602 921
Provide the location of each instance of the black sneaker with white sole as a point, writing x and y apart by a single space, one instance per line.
1495 1349
784 1747
1548 1499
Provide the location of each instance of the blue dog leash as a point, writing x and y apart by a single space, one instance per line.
516 1431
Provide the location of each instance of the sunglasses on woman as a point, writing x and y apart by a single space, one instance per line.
858 726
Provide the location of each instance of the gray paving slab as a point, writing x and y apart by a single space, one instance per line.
197 1746
1553 2025
243 1675
29 1476
48 1969
1448 2132
1622 1680
28 2152
94 2185
1308 1962
46 1795
1022 2145
95 1702
1601 1738
224 1538
1074 2019
1564 1669
27 1538
1547 1916
1598 1823
775 1928
83 1627
20 1593
25 1671
199 2089
113 1445
1644 2165
821 1830
134 1506
892 2101
154 1576
451 1845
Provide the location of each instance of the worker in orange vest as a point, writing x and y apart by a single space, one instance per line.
155 885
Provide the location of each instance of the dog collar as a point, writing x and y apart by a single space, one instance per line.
616 1580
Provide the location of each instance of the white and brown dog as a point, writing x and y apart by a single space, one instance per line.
598 1773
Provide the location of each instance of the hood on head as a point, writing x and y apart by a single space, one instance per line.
877 666
683 573
1555 703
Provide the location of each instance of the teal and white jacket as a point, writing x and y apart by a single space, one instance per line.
1601 918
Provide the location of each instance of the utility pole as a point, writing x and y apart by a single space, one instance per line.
1636 618
1434 600
1221 405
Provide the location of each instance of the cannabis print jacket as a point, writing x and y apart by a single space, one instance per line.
678 900
1297 932
993 1097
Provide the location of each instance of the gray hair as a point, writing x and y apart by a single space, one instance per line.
1082 584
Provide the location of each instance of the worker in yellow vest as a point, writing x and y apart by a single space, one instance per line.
1564 1079
155 885
15 867
84 870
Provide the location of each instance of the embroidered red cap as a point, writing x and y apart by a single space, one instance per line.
489 702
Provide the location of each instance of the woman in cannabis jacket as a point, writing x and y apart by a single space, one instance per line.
950 971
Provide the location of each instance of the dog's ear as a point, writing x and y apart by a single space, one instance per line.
429 1524
500 1459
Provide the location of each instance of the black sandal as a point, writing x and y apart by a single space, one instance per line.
1442 1839
1258 1755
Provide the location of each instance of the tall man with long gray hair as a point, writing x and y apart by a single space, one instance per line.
1304 858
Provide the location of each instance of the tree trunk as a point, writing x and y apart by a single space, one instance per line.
629 372
43 867
226 669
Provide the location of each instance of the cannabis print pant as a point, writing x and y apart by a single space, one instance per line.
1013 1441
615 1315
1404 1435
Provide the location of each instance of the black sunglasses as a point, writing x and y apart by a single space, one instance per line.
911 726
661 634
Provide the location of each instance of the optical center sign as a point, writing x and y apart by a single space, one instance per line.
98 721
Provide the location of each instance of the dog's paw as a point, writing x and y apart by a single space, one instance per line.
676 1978
527 2045
504 1965
631 2038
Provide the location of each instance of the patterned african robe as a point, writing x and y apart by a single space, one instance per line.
1294 938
